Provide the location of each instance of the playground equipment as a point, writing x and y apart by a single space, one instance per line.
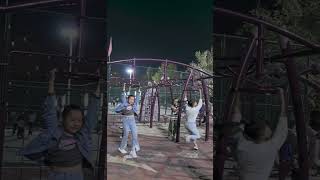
257 66
165 82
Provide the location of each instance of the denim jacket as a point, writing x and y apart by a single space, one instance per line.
49 137
124 103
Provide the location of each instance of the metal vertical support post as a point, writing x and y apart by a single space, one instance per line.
206 100
306 90
171 93
134 69
159 109
166 101
152 107
70 68
4 62
299 114
81 28
142 105
260 52
229 103
180 107
165 76
252 108
104 141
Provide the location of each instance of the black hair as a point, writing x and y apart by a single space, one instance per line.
255 130
131 96
190 103
174 99
72 107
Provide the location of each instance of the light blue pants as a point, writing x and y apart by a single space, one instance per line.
193 130
65 176
129 124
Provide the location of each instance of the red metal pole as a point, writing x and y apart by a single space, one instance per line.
299 115
142 105
152 107
158 96
206 100
260 52
229 103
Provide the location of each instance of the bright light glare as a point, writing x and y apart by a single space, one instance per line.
69 32
130 71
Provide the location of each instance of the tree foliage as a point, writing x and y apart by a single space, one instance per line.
171 70
204 61
298 16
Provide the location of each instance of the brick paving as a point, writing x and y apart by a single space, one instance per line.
159 157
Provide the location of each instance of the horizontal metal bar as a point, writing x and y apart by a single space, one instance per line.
269 26
162 60
104 20
248 38
258 90
5 9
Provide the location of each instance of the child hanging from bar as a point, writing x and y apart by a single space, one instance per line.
256 147
128 109
173 118
192 111
66 149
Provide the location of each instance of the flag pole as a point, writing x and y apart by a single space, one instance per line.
109 67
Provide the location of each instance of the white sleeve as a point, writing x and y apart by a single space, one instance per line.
281 132
187 107
236 117
198 107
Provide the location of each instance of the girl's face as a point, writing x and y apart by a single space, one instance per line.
73 122
268 132
131 100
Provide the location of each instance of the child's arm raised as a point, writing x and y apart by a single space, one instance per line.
281 131
236 115
200 101
123 95
92 114
137 100
49 110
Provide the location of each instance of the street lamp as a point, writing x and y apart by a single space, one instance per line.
130 71
69 33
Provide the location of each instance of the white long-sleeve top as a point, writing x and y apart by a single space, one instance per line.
192 112
256 160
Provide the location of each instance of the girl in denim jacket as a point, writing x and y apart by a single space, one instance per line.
128 108
65 149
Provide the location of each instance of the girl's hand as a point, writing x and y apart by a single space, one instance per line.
52 74
124 87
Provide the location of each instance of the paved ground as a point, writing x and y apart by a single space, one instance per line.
159 157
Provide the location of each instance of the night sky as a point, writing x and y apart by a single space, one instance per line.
225 24
172 29
39 30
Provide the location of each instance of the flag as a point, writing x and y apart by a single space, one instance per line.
110 47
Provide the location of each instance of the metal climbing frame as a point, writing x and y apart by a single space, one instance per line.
287 54
165 83
5 11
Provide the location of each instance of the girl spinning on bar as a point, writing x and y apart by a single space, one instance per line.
192 111
128 108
